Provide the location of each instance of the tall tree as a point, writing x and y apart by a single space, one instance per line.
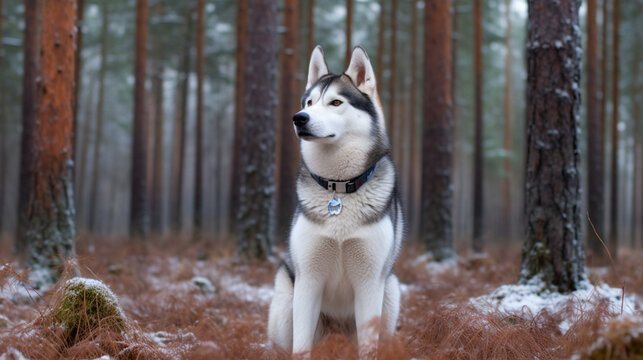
349 32
637 183
289 144
613 239
31 66
80 13
50 219
257 195
239 110
595 156
139 213
412 183
553 249
381 29
200 67
3 132
178 133
98 138
158 93
437 231
393 130
310 22
508 119
478 162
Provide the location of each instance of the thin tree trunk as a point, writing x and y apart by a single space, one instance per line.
80 12
413 179
80 175
198 174
553 250
139 215
349 27
637 182
380 47
50 220
437 201
178 145
289 144
613 239
600 224
508 138
239 115
31 67
478 162
157 89
3 133
257 194
392 80
310 22
595 159
98 138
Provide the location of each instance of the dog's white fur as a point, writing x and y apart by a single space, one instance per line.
341 265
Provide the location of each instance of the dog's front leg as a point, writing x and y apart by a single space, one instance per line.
306 310
369 297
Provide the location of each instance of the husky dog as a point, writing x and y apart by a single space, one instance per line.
348 227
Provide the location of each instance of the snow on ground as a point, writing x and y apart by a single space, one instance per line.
534 297
12 354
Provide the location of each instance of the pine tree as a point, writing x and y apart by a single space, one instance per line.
478 162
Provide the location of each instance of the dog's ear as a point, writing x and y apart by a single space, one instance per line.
361 72
317 67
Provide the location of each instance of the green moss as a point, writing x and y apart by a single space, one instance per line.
85 305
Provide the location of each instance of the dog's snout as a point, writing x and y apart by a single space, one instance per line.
300 118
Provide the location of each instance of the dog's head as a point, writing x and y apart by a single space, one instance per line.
340 108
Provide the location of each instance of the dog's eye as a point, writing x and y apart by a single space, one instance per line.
336 102
309 102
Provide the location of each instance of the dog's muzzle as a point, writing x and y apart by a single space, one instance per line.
301 119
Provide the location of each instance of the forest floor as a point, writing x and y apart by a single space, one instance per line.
172 311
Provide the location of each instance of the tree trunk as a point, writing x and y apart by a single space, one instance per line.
595 159
553 249
239 115
157 89
637 182
393 130
310 40
478 161
180 111
98 138
80 175
31 67
349 27
613 239
50 222
413 179
198 175
437 131
508 138
289 144
139 215
80 12
257 194
3 133
381 28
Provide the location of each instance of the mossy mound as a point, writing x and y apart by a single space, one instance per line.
622 339
85 305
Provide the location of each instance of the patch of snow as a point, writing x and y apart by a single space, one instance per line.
534 297
203 283
245 291
12 354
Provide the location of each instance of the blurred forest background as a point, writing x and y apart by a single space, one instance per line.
178 73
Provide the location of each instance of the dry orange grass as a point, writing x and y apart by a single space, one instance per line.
168 317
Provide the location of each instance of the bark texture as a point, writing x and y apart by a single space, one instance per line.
595 156
200 67
553 248
3 133
349 32
478 152
413 182
157 89
239 115
139 213
80 13
289 93
50 222
613 238
257 187
437 232
31 66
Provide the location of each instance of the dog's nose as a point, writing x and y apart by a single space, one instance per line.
300 118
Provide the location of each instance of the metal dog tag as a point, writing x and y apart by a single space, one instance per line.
335 205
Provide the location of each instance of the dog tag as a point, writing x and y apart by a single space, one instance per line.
335 205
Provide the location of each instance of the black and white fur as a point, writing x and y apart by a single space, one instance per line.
339 267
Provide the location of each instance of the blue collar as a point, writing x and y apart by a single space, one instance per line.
345 186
